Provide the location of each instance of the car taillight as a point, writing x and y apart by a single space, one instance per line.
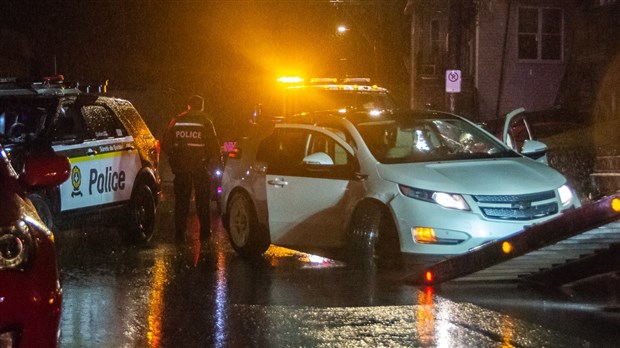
155 152
235 153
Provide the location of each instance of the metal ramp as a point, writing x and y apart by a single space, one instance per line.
573 249
586 233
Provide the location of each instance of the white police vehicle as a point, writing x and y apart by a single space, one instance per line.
114 156
413 186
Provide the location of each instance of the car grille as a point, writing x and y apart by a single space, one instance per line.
518 207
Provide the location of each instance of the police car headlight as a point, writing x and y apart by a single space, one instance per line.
566 195
16 246
446 200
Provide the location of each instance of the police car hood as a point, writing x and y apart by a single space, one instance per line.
488 176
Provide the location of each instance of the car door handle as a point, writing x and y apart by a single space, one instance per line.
278 182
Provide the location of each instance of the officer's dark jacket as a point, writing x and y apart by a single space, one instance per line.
191 142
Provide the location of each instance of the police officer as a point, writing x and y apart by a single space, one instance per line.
191 144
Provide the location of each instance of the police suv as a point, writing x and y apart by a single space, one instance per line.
114 156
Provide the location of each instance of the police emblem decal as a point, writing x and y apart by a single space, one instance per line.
76 181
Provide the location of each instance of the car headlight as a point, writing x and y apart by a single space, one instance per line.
446 200
566 195
16 246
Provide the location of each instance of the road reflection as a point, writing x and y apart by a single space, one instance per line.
425 323
202 294
156 303
221 300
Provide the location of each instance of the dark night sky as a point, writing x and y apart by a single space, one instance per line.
224 48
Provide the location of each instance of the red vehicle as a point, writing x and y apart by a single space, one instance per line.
30 293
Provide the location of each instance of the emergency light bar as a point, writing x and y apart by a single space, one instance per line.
365 80
290 79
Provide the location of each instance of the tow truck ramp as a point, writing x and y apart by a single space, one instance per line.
579 241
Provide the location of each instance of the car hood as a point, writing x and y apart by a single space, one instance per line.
489 176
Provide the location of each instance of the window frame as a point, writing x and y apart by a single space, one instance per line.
539 35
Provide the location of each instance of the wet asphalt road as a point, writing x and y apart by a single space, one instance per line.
202 295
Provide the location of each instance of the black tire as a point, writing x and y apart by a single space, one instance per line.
373 241
42 205
141 216
246 236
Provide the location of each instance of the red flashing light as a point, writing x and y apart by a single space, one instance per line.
429 276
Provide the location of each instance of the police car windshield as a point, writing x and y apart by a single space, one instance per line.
414 139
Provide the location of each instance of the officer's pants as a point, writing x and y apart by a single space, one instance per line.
199 180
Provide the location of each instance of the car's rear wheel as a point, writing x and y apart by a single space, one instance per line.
141 219
246 236
373 240
42 205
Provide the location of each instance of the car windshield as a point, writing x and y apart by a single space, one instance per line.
304 99
327 99
414 139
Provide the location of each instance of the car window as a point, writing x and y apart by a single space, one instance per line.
101 122
319 142
285 150
297 100
67 125
23 118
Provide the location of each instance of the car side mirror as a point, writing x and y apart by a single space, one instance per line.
535 149
46 169
318 158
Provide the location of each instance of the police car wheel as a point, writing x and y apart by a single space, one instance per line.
245 234
372 239
141 215
42 207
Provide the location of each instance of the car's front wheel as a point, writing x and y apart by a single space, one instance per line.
246 236
372 238
141 219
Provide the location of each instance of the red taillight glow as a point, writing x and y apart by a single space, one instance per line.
429 277
234 153
155 153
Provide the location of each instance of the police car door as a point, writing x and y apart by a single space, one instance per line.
308 185
104 160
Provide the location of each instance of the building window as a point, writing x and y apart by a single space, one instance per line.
540 34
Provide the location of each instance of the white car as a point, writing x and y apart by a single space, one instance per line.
414 186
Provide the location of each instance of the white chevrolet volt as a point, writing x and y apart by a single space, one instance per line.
413 186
